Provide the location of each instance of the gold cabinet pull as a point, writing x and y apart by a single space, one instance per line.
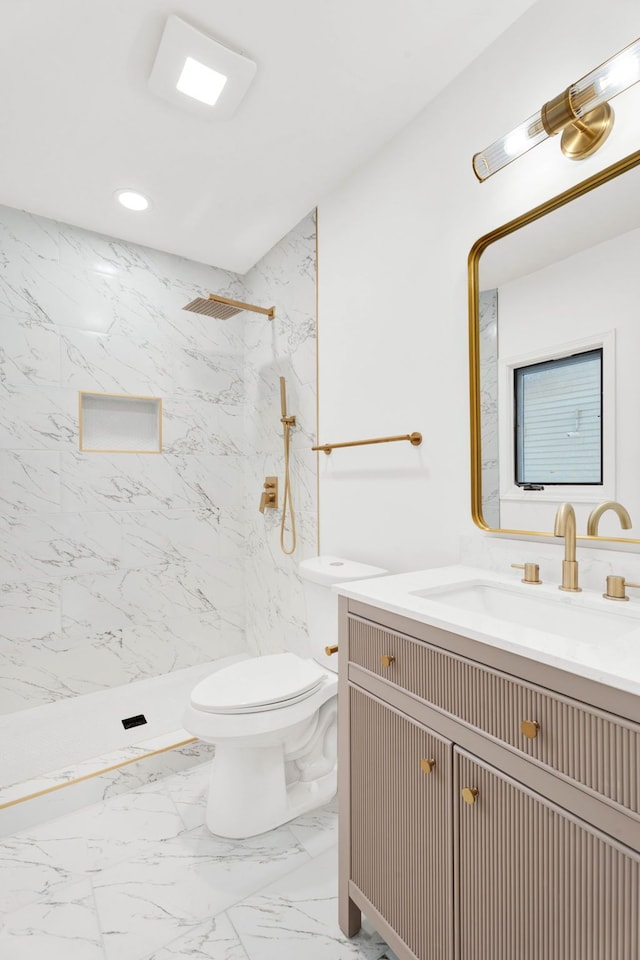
331 650
387 660
470 795
427 765
530 729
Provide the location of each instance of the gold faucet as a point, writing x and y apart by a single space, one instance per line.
596 513
565 526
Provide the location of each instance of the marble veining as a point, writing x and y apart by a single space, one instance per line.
29 482
275 614
115 567
137 877
488 308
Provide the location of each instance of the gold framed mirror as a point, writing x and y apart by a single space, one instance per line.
554 304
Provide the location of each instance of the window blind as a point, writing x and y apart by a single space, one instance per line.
558 425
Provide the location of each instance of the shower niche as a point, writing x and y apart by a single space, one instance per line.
120 423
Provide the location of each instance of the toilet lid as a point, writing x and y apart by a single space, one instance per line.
261 683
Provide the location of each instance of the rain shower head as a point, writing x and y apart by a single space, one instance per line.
222 308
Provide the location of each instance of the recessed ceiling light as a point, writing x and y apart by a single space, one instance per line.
132 200
201 82
214 78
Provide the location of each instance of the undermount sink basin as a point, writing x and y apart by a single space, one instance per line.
566 615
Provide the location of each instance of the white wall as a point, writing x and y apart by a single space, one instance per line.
393 246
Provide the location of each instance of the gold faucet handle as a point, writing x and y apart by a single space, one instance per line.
616 588
269 497
531 572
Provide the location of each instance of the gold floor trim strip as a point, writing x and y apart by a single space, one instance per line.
97 773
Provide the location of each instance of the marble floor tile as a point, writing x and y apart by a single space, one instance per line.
297 916
139 877
63 927
189 792
36 862
214 940
128 826
149 900
145 904
317 830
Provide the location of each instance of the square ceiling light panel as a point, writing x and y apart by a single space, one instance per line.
198 74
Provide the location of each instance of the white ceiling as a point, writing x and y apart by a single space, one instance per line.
336 80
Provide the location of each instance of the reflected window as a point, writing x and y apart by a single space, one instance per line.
558 428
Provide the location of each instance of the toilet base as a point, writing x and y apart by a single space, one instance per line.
255 788
250 795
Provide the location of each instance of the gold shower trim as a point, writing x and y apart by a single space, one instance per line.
579 190
415 439
317 391
96 773
122 396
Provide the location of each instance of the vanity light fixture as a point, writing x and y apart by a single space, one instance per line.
196 73
581 114
132 200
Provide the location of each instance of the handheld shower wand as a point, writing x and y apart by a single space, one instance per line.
283 398
287 423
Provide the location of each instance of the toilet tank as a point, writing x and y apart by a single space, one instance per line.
319 574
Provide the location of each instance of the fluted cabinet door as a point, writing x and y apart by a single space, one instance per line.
535 882
401 824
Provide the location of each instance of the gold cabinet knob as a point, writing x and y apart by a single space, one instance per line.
470 795
331 650
530 729
387 660
427 765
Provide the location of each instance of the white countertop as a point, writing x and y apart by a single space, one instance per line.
612 660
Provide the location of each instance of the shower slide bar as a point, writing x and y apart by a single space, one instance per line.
415 439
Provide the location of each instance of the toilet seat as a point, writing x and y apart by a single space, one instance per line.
258 685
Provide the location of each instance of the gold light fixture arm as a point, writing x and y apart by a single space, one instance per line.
415 439
582 133
581 113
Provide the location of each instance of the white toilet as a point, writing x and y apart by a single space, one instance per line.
273 719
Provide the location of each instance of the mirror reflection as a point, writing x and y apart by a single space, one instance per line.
558 344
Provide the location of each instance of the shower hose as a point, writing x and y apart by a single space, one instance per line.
287 502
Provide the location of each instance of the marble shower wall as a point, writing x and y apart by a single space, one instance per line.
117 567
489 406
275 610
114 567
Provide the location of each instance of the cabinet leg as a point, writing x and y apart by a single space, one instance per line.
349 917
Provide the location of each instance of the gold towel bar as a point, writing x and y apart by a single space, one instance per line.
415 439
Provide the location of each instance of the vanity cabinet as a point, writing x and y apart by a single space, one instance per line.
402 823
535 882
483 816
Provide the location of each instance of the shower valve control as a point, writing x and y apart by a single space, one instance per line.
269 496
